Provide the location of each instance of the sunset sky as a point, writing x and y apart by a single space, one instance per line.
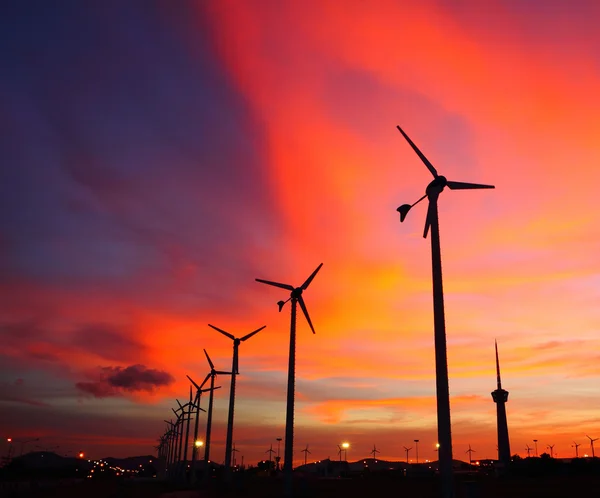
157 157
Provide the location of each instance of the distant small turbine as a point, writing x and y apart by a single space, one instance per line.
296 298
270 451
407 450
306 453
592 444
469 451
576 449
234 373
432 192
551 448
528 450
374 452
233 452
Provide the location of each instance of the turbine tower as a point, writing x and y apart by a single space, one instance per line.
234 373
528 450
296 298
592 445
500 397
432 192
407 450
576 449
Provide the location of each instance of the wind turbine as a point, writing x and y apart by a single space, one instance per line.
374 452
296 298
234 373
233 452
407 450
199 392
469 451
432 192
306 453
551 447
528 450
340 452
592 444
576 449
270 451
212 374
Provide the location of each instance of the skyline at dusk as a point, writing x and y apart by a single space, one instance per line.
157 157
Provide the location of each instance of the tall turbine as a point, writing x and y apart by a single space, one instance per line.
528 450
296 298
432 192
407 450
592 445
270 451
500 397
213 374
551 448
234 373
576 449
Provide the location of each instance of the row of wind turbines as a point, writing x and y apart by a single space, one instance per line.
432 192
172 446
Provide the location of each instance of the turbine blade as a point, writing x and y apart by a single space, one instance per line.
428 220
305 311
219 372
419 153
222 332
275 284
205 380
212 367
191 380
309 279
180 405
202 410
466 186
252 333
210 389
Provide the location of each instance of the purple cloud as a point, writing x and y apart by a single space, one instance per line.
115 381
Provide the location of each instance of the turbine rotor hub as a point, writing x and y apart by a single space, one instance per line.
296 293
436 186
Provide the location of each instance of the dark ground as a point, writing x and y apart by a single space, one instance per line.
262 487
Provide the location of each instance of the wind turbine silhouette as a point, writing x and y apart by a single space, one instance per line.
407 450
270 451
576 449
551 447
374 452
528 450
197 399
212 374
592 444
296 298
234 373
469 451
432 192
306 453
340 451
